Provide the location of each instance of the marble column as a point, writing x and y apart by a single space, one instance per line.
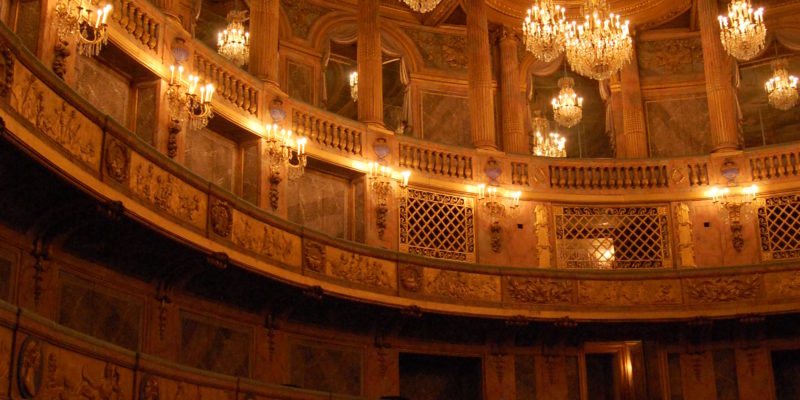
514 138
633 141
370 66
264 38
479 64
719 83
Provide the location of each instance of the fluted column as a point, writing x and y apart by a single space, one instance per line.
719 85
481 100
633 143
264 15
370 67
514 138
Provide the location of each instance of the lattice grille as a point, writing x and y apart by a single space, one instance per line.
612 237
779 226
437 225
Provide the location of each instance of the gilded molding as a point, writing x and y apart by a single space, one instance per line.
117 160
314 256
221 218
629 293
260 238
360 269
410 278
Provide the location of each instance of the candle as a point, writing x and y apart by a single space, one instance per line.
106 11
209 92
171 74
99 15
481 191
301 146
406 174
180 74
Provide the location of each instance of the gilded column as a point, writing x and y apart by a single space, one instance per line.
634 137
514 138
719 83
370 67
481 100
264 38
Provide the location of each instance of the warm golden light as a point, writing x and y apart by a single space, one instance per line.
233 43
598 47
742 31
543 30
782 87
567 107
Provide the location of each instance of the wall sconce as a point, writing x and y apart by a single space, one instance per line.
730 201
496 210
87 22
279 150
190 102
380 184
354 86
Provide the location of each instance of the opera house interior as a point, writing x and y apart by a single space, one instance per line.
399 200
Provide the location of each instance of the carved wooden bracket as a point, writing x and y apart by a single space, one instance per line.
60 54
173 129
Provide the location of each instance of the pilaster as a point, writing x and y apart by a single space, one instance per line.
514 138
479 75
264 15
633 142
370 67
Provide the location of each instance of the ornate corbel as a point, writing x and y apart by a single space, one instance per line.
173 129
496 236
380 219
60 54
274 182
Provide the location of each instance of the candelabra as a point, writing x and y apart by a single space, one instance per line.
354 86
567 107
552 145
280 150
543 30
597 48
743 31
233 43
190 102
731 206
87 21
539 124
497 210
782 87
422 6
380 184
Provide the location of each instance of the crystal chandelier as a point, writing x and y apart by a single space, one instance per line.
282 149
234 42
567 107
87 21
539 124
551 145
782 87
742 32
597 48
543 30
190 102
354 86
422 6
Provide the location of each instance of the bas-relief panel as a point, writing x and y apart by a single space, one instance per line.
57 120
102 313
461 285
105 89
626 293
211 156
360 269
301 15
263 239
445 119
440 50
321 201
782 285
678 127
670 57
212 347
166 192
328 369
52 372
301 81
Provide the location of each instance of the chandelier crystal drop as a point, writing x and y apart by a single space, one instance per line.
550 145
234 42
543 30
599 46
567 107
422 6
743 31
782 87
84 20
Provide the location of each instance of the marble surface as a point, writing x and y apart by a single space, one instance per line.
322 202
250 173
301 81
302 15
211 156
146 123
525 377
573 378
104 88
211 346
725 374
678 127
669 57
328 369
440 50
6 264
28 21
445 118
429 377
100 312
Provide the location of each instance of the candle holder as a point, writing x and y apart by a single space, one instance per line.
732 202
84 20
380 184
190 102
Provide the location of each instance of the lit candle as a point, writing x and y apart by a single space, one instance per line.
99 16
209 92
481 191
406 174
171 74
301 146
180 74
106 11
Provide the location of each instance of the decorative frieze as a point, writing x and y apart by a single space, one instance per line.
260 238
167 192
539 290
723 289
629 293
356 268
461 285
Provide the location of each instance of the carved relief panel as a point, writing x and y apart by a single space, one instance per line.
266 240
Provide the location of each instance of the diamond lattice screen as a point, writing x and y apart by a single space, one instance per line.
437 225
612 237
779 227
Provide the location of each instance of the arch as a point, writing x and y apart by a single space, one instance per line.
284 27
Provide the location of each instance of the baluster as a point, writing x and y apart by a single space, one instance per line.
139 20
414 158
147 22
776 167
358 143
448 162
246 98
468 169
154 32
133 12
793 163
338 137
117 5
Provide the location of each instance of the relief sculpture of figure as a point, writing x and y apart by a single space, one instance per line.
30 368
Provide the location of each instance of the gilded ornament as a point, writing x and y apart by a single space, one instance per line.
461 285
360 269
117 160
148 388
721 290
539 290
627 293
410 278
260 238
30 366
314 256
221 217
167 192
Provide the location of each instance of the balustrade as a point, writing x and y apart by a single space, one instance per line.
452 164
327 131
139 21
228 81
780 163
608 177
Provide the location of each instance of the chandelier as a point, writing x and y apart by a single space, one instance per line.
567 107
422 6
782 87
539 124
190 102
87 21
597 48
742 32
234 42
551 145
354 86
543 30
